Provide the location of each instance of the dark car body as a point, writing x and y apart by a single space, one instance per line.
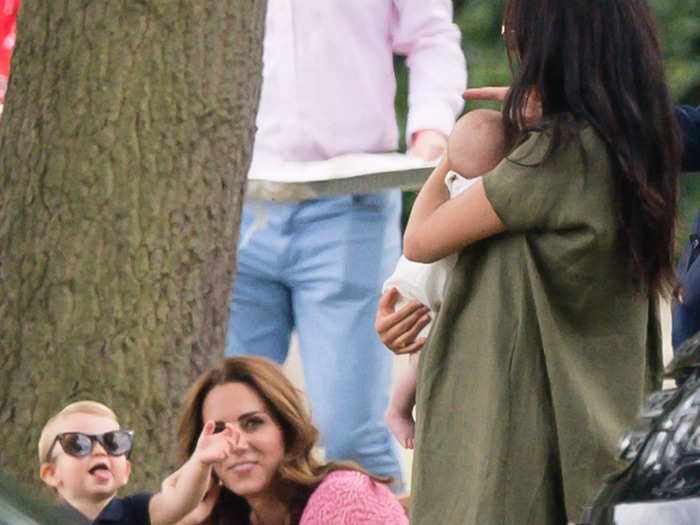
662 482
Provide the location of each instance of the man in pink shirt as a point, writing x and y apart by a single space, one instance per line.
318 265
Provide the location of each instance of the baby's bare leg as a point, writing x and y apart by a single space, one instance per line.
399 415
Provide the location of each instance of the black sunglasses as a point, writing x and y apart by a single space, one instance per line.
78 444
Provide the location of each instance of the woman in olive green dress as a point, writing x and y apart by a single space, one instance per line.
548 338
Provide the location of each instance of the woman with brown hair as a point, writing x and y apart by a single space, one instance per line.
272 477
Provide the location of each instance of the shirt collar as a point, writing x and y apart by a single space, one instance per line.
74 514
114 511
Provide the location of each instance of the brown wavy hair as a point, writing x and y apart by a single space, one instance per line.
300 473
598 63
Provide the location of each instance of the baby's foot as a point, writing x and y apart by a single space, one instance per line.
401 425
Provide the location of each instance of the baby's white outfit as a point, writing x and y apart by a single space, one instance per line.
426 282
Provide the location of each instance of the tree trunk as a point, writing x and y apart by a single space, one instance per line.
124 145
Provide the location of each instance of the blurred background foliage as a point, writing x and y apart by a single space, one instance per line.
480 22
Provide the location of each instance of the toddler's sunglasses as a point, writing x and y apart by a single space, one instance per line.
78 444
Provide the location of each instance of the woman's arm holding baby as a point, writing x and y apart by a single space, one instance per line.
433 231
439 226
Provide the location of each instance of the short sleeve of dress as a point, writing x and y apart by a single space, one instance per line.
347 497
529 194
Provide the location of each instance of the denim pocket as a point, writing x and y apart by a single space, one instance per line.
375 201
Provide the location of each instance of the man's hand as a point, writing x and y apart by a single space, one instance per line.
428 144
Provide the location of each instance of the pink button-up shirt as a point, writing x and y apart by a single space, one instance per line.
328 76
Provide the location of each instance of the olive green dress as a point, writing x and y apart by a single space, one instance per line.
541 354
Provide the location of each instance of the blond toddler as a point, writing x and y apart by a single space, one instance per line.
84 457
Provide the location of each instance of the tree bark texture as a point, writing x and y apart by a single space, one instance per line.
124 145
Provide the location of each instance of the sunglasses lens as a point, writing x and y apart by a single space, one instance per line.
117 442
76 444
219 426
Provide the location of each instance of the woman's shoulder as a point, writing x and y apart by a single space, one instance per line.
347 496
534 149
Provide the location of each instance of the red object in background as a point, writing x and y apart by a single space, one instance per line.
8 18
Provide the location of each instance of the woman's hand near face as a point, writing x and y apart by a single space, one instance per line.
398 330
533 109
492 93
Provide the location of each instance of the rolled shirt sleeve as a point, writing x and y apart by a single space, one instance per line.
423 30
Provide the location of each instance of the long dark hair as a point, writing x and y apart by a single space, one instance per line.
300 473
598 62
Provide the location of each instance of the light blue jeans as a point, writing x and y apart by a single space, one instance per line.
318 266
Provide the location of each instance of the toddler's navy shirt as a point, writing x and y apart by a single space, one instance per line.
131 509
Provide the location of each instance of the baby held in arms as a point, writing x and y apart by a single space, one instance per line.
475 146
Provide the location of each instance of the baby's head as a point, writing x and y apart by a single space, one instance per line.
83 453
477 143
